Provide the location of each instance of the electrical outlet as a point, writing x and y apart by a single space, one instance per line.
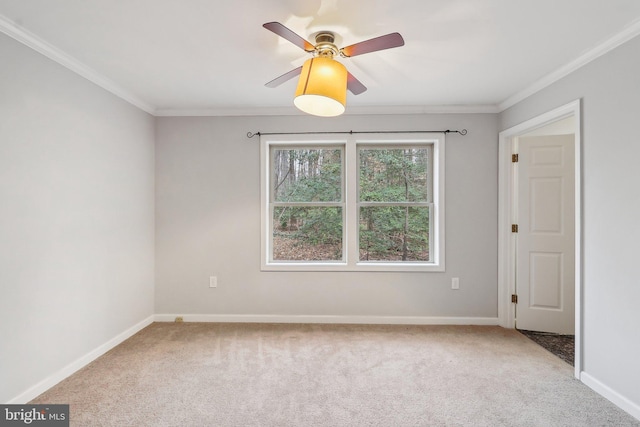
179 319
213 281
455 283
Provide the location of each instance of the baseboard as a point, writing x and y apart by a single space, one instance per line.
613 396
373 320
73 367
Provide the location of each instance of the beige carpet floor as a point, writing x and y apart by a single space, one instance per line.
205 374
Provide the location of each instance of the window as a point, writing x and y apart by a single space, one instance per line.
307 206
354 203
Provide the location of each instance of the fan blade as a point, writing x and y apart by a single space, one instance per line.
285 77
372 45
286 33
354 85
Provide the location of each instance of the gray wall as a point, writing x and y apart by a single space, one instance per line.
208 223
609 89
76 217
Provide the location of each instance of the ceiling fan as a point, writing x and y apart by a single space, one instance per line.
321 88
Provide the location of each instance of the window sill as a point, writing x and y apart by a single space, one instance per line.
384 267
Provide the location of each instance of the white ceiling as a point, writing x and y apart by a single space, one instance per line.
214 57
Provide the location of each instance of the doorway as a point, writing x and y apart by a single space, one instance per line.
539 283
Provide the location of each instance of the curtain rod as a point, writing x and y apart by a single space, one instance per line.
251 135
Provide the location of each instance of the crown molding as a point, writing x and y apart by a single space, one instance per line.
628 33
228 111
356 110
425 109
31 40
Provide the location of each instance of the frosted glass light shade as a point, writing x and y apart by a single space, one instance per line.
322 88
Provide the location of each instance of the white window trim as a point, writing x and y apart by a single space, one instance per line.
350 226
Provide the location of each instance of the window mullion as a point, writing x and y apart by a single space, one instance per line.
309 204
410 204
351 202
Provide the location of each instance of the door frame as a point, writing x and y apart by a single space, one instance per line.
506 240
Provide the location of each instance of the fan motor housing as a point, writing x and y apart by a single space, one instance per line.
325 44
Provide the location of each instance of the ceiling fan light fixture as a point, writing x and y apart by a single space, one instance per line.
322 87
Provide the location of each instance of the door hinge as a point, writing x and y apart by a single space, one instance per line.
514 158
514 228
514 298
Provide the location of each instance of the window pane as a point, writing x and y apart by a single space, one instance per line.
307 175
394 233
394 175
307 234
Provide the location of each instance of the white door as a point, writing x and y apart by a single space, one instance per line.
545 256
